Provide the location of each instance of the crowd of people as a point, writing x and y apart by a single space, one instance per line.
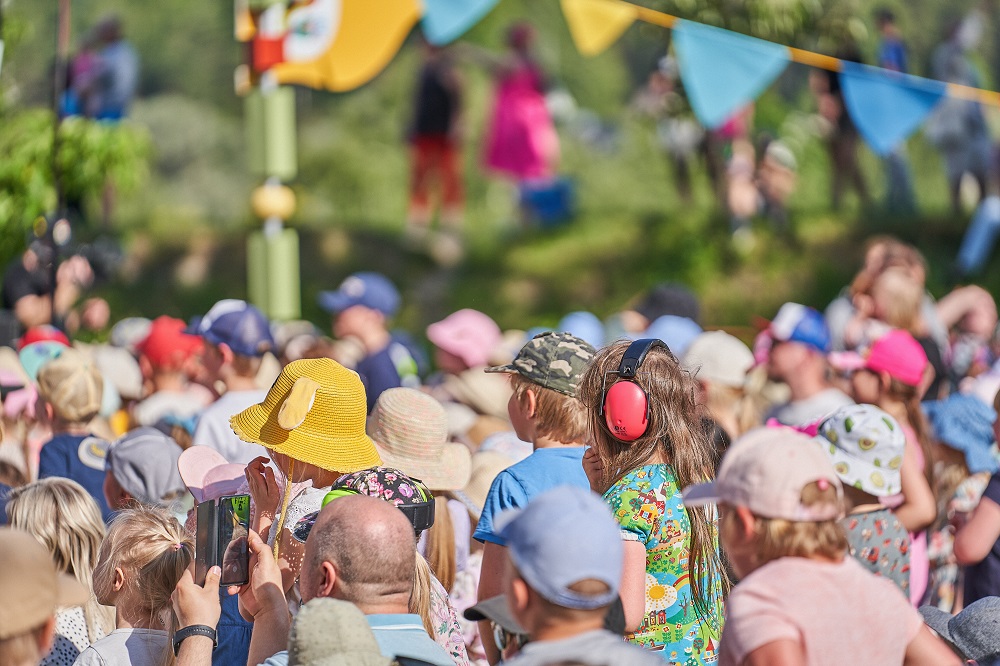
636 490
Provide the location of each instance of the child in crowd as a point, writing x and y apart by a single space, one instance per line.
166 357
674 582
780 502
312 422
544 410
892 374
965 441
410 431
143 556
866 446
73 541
977 543
70 389
237 336
563 575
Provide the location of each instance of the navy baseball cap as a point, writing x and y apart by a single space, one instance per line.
564 536
372 290
236 324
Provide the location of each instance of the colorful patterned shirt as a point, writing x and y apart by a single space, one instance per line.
881 544
647 504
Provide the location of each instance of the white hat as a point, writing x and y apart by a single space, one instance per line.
716 356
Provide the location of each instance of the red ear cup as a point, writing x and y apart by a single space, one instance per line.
625 411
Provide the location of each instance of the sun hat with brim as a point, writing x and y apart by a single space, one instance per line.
486 466
332 632
208 475
30 585
766 470
314 412
410 430
975 632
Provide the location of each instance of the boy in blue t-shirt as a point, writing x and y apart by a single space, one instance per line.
544 410
71 388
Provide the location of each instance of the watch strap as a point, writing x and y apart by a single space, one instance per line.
195 630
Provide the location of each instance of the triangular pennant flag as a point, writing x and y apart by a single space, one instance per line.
446 20
596 24
366 36
887 106
722 70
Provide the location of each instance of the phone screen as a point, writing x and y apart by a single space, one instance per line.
234 553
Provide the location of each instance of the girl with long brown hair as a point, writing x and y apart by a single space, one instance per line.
674 581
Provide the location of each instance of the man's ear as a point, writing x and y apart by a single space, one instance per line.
227 352
328 580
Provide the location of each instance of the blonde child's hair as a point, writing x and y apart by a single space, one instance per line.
420 596
153 550
777 538
441 540
675 433
65 519
903 298
73 385
557 416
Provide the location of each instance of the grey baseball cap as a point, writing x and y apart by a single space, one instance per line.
144 463
975 632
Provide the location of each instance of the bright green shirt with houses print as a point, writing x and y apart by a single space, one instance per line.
647 504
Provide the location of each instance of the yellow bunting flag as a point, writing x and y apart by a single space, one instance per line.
363 37
596 24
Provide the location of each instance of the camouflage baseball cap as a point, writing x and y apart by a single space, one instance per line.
552 360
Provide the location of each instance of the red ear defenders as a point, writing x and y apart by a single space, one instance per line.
625 407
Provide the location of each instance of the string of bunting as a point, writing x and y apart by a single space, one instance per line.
724 70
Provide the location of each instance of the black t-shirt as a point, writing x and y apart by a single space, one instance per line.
437 101
19 282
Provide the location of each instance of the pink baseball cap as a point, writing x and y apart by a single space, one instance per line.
468 334
210 476
896 353
766 470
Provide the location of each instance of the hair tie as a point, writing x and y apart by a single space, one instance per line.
177 546
822 484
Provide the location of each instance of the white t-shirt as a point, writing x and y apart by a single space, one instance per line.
213 427
124 647
181 405
812 409
839 612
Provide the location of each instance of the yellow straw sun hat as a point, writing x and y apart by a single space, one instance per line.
314 412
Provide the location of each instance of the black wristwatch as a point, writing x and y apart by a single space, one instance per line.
194 630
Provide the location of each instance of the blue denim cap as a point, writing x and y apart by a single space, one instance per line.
372 290
799 323
236 324
965 423
562 537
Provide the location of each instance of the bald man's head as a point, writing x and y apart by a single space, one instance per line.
370 546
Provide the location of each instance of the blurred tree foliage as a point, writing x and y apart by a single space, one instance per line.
91 156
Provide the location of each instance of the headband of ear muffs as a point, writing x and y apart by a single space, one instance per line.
420 514
625 406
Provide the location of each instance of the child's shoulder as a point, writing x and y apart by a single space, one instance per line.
658 477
